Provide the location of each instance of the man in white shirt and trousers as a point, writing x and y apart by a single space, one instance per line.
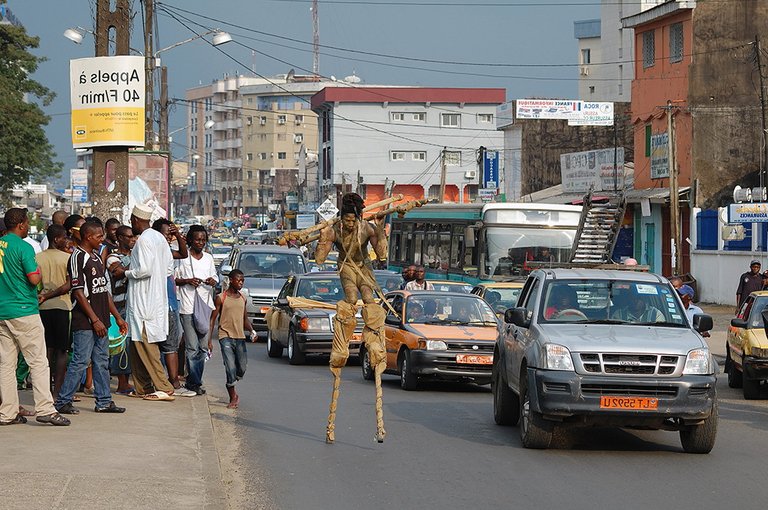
147 308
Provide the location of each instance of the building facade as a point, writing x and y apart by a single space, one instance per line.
377 140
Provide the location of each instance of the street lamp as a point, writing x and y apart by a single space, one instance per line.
220 38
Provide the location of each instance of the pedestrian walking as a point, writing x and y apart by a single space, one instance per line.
233 322
749 282
21 329
196 277
92 294
150 265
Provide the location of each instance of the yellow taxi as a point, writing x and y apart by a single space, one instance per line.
437 335
500 295
746 357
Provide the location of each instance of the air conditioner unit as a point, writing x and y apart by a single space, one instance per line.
281 121
298 122
470 174
272 172
263 121
584 71
298 139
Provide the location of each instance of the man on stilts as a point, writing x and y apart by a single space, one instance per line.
351 237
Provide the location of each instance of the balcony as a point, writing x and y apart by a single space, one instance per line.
232 143
235 103
219 86
228 163
231 124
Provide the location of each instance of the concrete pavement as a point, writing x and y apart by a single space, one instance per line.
155 455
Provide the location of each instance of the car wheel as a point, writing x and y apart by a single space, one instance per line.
750 387
365 365
734 374
295 356
408 380
274 349
701 438
535 431
506 404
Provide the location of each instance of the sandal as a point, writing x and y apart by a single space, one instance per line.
159 396
16 421
127 392
26 412
54 419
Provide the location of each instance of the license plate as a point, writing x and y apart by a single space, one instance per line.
637 403
355 337
264 309
475 359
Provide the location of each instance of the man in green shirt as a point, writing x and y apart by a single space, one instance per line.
20 326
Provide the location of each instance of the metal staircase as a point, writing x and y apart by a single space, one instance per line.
598 229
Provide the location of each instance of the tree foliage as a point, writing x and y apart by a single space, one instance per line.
25 152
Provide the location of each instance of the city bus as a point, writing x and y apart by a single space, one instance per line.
482 242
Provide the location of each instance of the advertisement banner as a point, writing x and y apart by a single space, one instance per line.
486 195
593 114
491 170
107 100
78 185
659 156
147 183
547 109
580 171
305 221
748 213
504 115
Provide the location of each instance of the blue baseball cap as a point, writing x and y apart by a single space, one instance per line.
686 290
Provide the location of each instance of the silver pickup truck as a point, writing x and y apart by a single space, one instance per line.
590 347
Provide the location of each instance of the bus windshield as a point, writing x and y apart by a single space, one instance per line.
509 249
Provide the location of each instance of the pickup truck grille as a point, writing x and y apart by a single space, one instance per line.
261 301
628 364
623 390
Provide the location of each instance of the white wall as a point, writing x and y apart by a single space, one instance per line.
357 148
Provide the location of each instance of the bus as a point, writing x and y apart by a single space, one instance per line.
482 242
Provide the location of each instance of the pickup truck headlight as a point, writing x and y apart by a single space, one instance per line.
759 352
314 324
698 362
558 357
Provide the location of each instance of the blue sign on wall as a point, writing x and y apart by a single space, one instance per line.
491 170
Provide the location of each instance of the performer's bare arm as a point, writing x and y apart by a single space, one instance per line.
324 245
378 238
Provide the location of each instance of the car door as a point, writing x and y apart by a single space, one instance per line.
737 337
284 312
393 332
520 337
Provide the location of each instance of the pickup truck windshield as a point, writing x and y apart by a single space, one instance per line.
611 302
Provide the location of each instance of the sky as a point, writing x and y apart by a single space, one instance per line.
533 32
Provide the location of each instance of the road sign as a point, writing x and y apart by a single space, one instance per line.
491 170
327 210
304 221
487 195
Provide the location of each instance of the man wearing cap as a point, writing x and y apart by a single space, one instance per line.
686 293
749 282
147 308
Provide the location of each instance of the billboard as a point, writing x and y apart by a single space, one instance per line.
491 170
107 100
659 156
748 213
593 114
547 109
147 183
78 185
505 115
580 171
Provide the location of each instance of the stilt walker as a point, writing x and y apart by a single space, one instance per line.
351 237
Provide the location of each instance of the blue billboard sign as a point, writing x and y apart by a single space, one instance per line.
491 170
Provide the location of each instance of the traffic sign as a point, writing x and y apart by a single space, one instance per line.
491 170
327 210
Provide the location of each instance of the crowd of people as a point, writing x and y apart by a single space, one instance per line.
100 300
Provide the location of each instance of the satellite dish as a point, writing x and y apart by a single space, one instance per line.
333 78
742 194
352 79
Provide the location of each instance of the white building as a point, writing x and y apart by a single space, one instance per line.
376 139
606 51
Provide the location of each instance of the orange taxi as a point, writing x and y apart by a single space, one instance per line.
437 335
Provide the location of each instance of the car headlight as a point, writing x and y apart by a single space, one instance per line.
759 352
698 362
436 345
558 357
315 324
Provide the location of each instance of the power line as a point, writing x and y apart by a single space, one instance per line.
409 3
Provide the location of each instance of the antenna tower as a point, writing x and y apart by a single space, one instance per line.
315 40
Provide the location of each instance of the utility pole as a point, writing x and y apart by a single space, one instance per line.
758 52
110 162
315 41
164 142
674 198
149 66
442 176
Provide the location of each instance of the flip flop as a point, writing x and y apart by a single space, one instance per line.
133 394
159 396
130 392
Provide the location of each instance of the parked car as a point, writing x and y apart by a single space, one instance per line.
266 268
438 335
500 295
451 286
589 347
746 357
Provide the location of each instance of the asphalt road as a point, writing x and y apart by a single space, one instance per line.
444 451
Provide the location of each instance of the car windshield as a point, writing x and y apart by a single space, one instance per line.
510 249
269 265
756 312
328 290
452 287
502 298
220 250
612 302
449 309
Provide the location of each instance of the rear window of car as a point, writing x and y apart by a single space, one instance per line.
270 265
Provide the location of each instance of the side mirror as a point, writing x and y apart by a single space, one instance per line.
226 269
469 237
392 320
702 322
518 317
281 301
736 323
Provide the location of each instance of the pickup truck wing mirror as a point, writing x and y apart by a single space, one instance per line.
281 301
518 317
702 322
225 269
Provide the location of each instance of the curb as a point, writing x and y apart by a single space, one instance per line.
215 497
